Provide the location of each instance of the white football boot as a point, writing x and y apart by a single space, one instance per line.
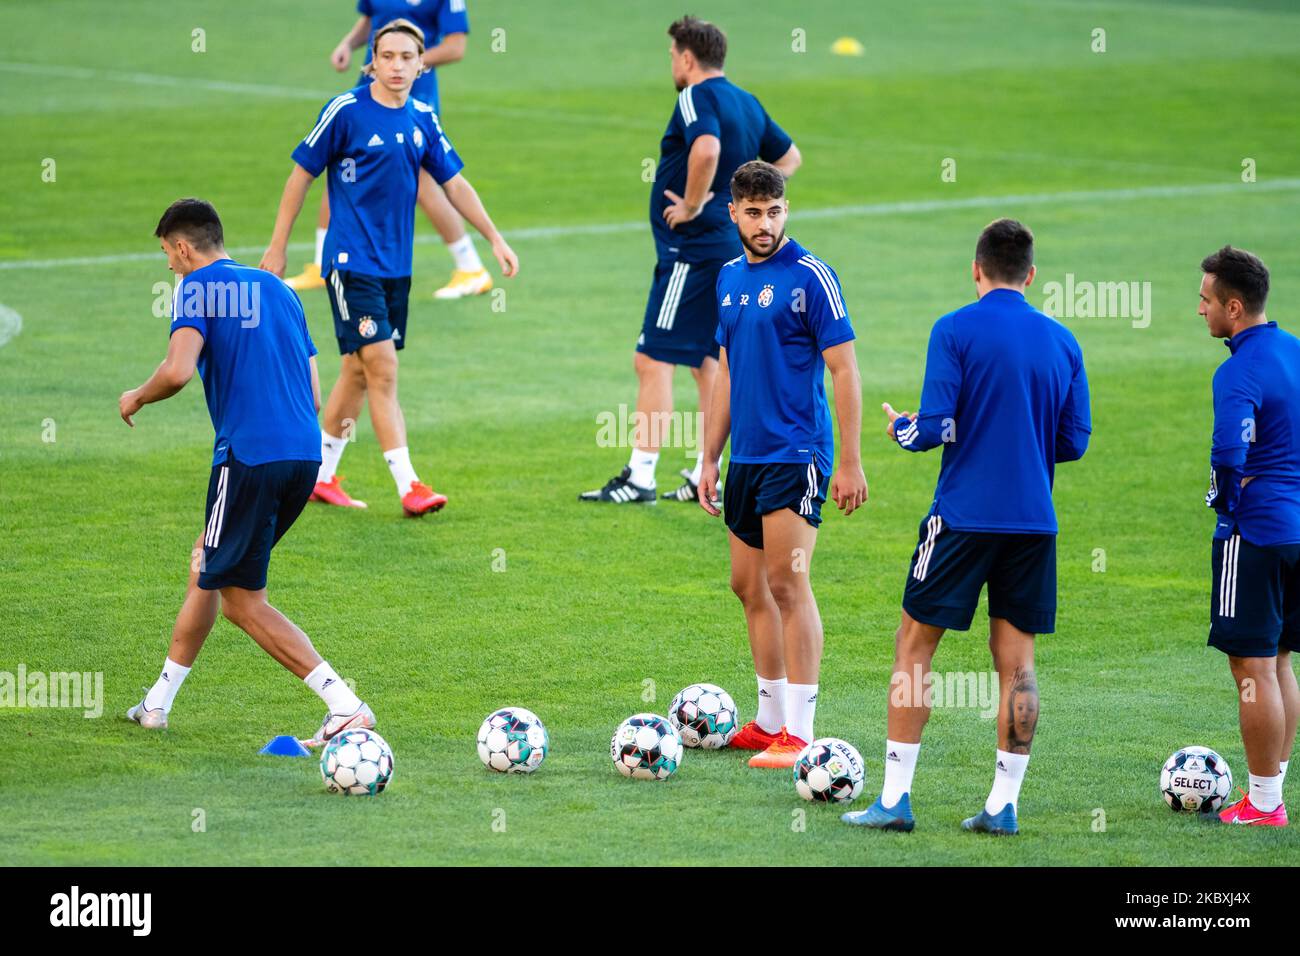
334 724
149 719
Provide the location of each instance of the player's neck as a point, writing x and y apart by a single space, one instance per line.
754 260
1248 322
984 288
386 97
201 260
699 76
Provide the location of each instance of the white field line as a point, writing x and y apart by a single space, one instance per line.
1007 204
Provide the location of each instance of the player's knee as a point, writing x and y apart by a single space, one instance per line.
381 374
788 590
751 590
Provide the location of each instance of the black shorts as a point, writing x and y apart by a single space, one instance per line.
249 510
367 309
950 569
681 315
1255 599
754 490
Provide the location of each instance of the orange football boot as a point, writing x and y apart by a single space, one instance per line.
781 754
331 493
753 737
422 499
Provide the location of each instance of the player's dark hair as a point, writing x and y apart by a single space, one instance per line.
1238 274
707 43
757 180
1005 251
196 220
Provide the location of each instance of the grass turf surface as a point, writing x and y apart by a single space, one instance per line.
501 406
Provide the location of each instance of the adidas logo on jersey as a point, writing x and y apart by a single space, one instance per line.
375 141
726 299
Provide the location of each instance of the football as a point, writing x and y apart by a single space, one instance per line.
1195 779
646 747
512 740
705 716
829 770
357 763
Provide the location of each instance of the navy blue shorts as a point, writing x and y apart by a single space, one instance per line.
681 315
754 490
367 309
1255 601
250 507
950 569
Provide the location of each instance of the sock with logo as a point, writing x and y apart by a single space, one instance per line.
900 765
643 465
399 463
331 450
1265 793
165 688
771 705
464 255
1008 775
338 696
800 707
320 245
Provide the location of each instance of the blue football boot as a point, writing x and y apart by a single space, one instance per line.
1001 824
879 817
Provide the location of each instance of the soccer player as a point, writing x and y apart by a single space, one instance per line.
714 127
1255 488
1006 395
445 25
781 324
246 334
375 140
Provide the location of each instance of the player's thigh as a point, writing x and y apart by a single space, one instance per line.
947 572
379 362
740 504
788 544
748 571
1246 598
1022 582
360 307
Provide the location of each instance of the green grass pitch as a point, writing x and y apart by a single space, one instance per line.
1127 164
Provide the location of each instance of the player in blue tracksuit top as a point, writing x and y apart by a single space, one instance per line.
244 331
1255 489
1006 396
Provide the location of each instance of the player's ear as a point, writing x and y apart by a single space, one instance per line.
975 271
1029 279
731 208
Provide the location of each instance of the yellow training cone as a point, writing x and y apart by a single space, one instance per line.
847 46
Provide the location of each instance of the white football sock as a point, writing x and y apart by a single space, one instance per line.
464 255
1008 775
771 704
900 765
164 689
1282 765
800 707
1265 792
399 463
643 464
331 450
338 696
320 244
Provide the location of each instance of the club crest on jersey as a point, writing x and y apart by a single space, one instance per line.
417 138
367 327
765 297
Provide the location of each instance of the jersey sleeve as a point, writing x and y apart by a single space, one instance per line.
823 305
302 324
1074 427
938 394
452 17
1236 398
723 334
699 112
439 158
366 8
188 308
775 143
323 143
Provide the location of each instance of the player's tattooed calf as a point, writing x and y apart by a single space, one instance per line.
1022 709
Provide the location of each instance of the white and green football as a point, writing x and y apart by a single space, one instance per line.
357 763
512 740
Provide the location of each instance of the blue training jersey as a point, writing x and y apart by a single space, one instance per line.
374 154
719 108
775 318
254 364
436 18
1257 436
1006 395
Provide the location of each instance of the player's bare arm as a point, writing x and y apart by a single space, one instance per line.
849 483
450 50
168 378
315 382
465 200
716 429
791 161
295 192
354 39
701 167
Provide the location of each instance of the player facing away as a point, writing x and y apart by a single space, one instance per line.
1006 395
781 324
375 140
446 25
246 334
715 126
1255 488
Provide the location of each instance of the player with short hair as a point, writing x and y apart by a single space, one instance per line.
446 26
1255 488
1006 396
781 324
246 334
715 126
375 140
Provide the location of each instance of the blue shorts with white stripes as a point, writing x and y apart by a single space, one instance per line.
249 510
367 309
757 489
1255 600
681 315
950 569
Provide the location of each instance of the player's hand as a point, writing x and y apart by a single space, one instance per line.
849 488
708 489
273 261
893 417
506 258
128 404
679 212
341 57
